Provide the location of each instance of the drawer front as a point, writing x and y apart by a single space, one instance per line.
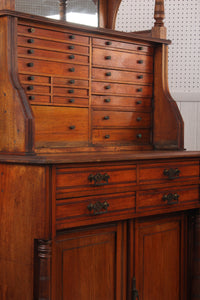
121 119
87 210
57 81
33 98
63 124
52 55
61 91
51 45
52 68
34 31
93 180
70 101
122 89
121 136
117 59
178 197
36 89
168 172
121 45
113 101
122 76
28 79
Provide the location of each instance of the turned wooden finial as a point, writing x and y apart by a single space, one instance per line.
159 30
63 9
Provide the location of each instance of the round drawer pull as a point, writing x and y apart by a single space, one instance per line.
72 127
71 47
72 37
139 90
31 78
139 119
107 100
30 41
171 198
72 57
106 118
71 69
140 62
98 208
108 57
140 48
30 51
71 91
71 100
30 88
31 97
140 76
108 74
139 102
107 87
72 81
32 30
30 64
108 43
139 135
107 136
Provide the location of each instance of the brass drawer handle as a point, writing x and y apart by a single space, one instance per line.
171 173
99 179
98 208
171 198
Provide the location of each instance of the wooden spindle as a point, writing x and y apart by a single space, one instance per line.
159 30
63 9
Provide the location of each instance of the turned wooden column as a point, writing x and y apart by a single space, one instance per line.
196 259
159 30
63 9
7 4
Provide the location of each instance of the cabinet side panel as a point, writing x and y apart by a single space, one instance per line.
23 215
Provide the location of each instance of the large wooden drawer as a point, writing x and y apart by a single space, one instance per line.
119 119
34 31
122 45
93 180
40 43
93 209
114 101
118 59
121 76
52 68
109 88
167 198
168 172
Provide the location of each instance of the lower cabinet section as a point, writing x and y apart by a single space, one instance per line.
141 259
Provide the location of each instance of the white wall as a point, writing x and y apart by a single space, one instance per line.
183 25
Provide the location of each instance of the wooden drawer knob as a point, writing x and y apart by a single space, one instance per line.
71 69
31 78
108 57
72 127
71 47
139 90
140 76
107 100
107 136
72 37
108 74
139 135
108 43
32 30
72 56
30 65
139 102
140 48
71 91
140 61
31 97
139 119
30 88
71 100
106 118
107 87
30 51
30 41
72 81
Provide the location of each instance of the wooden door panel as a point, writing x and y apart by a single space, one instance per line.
158 261
88 265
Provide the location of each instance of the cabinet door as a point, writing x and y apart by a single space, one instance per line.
90 264
159 258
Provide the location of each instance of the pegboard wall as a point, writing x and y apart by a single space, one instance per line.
182 19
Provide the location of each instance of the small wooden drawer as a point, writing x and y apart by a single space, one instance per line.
121 89
29 79
121 45
87 210
62 124
62 91
121 76
121 136
179 197
38 98
117 59
52 68
93 180
113 101
34 31
36 89
57 81
52 55
168 172
37 43
70 101
121 119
